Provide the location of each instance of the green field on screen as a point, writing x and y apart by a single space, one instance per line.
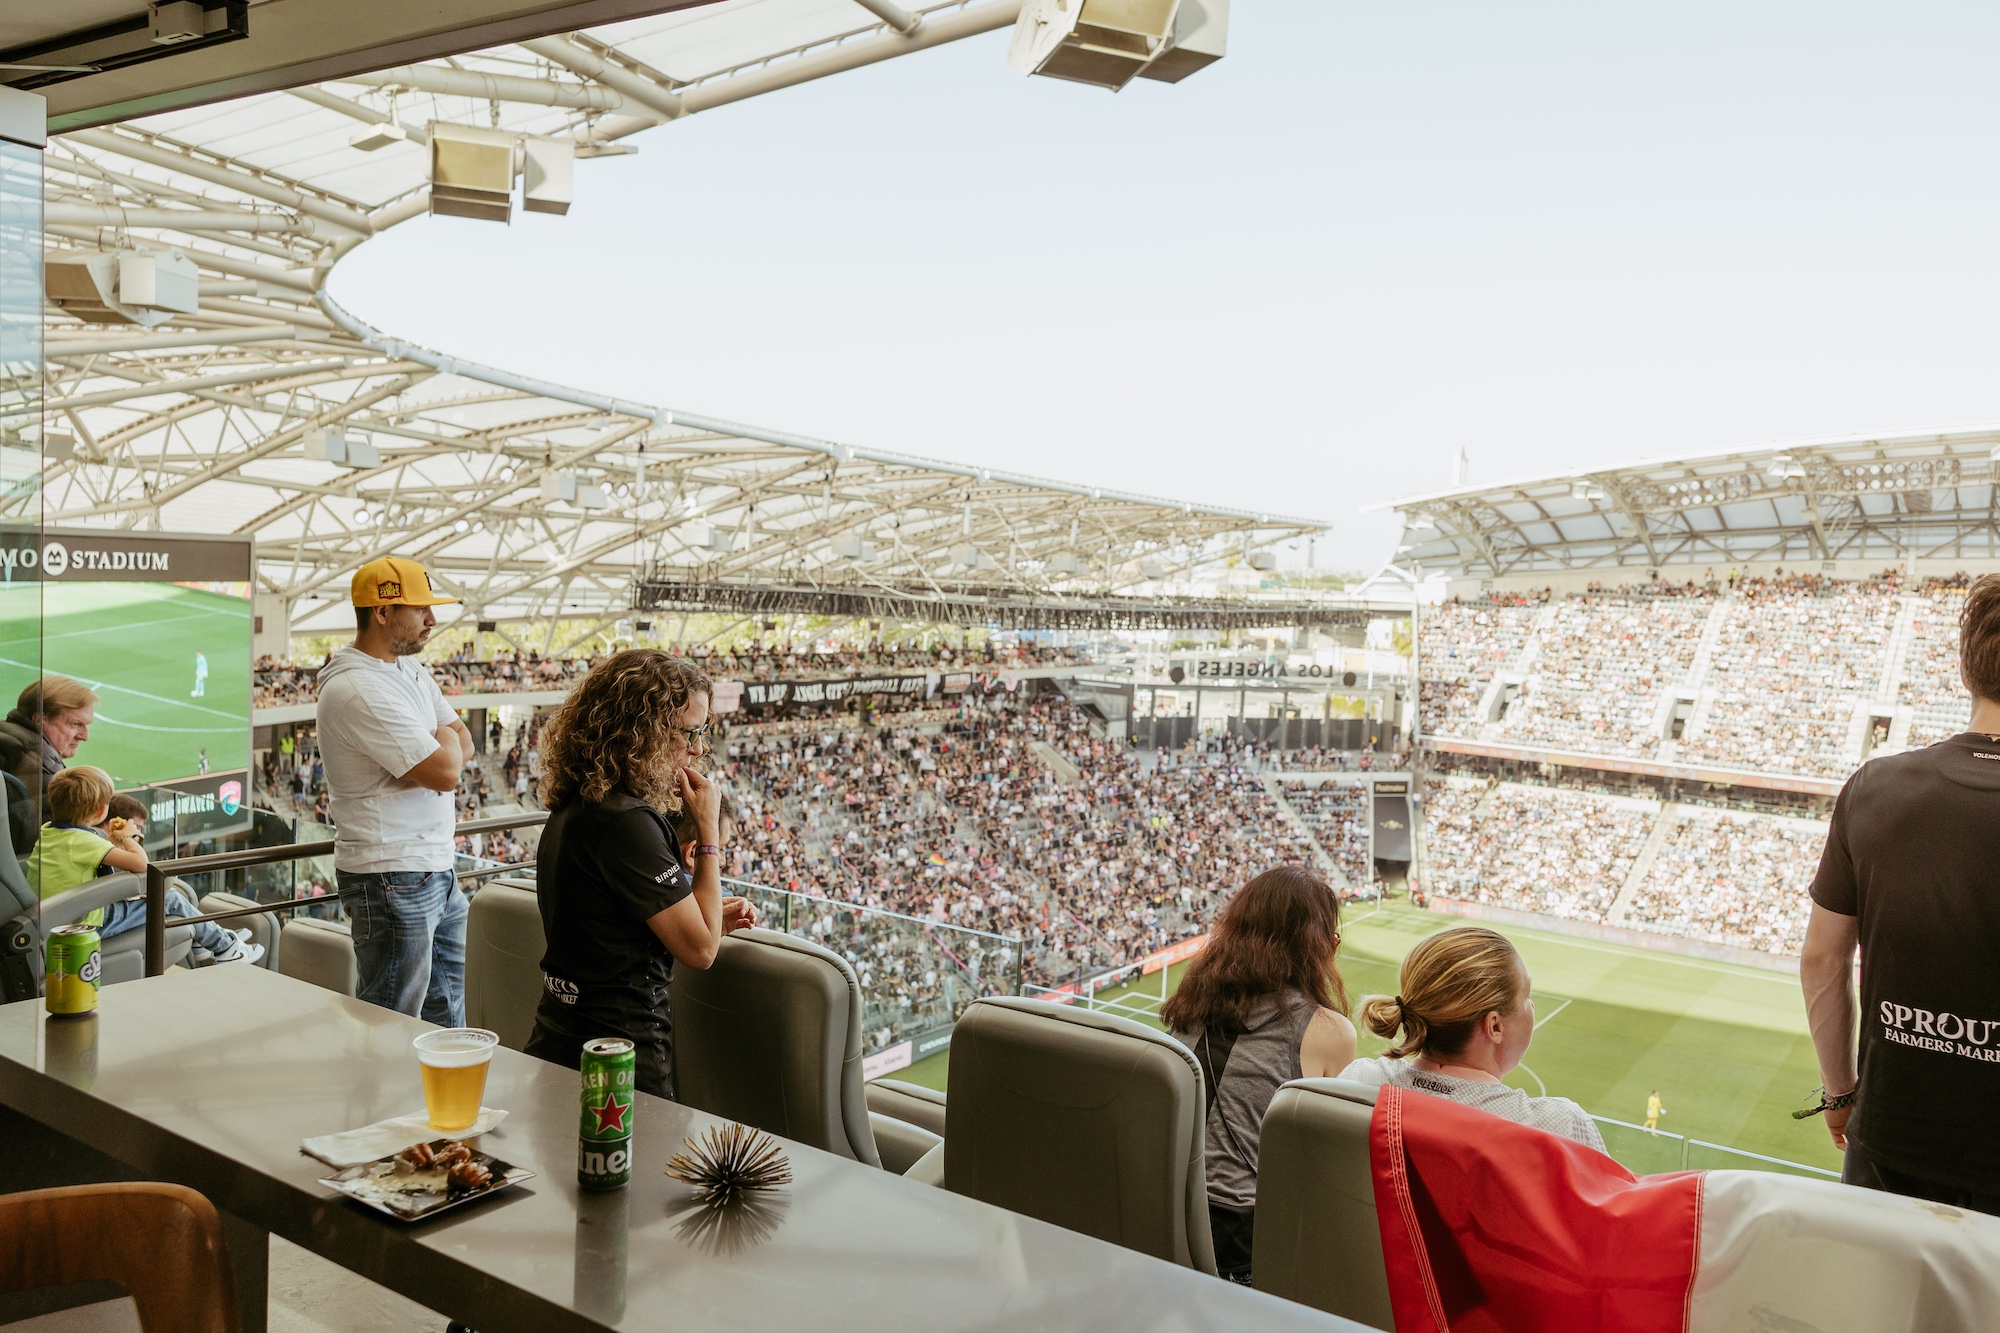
135 644
1725 1045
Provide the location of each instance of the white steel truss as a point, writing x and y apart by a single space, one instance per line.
528 499
1886 499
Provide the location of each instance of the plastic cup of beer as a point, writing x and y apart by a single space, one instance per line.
454 1063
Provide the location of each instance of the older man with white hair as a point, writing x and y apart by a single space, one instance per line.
49 721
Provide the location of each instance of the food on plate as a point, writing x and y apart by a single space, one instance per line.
416 1157
467 1175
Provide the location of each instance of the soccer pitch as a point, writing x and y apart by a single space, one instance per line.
1726 1046
135 644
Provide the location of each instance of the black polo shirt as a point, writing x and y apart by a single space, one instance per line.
1914 852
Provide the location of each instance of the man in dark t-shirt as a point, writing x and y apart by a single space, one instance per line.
1909 876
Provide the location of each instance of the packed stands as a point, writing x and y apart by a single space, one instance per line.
1792 658
1464 644
1930 682
1016 818
1534 849
1733 879
1773 674
1605 660
278 681
1339 817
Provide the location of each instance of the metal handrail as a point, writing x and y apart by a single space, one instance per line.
157 873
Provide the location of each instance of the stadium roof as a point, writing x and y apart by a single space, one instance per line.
1876 498
526 497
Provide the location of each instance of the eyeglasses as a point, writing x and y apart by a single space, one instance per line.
692 733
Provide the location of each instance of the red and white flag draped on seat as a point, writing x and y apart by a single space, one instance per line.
1493 1227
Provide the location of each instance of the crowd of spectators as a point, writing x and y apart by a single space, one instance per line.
277 681
1605 660
1340 818
1732 879
1016 818
1791 659
1534 849
1931 684
1464 643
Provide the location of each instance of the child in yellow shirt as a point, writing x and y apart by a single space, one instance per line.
81 841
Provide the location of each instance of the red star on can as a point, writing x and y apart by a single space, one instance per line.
611 1115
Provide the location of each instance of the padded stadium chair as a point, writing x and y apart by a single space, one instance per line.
25 923
503 960
162 1243
264 928
1316 1240
771 1035
1086 1120
909 1123
321 952
892 1098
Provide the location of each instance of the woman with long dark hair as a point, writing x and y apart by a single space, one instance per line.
1261 1005
619 904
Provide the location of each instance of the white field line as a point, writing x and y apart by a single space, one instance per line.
1553 1012
1679 960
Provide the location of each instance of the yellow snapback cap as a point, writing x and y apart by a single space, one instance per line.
392 580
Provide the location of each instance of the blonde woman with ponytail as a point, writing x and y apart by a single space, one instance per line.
1463 1018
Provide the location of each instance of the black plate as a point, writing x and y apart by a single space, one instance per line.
375 1184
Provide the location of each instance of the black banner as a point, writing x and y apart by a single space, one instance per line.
783 693
82 556
1392 825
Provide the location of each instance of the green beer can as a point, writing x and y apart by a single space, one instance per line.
604 1129
73 966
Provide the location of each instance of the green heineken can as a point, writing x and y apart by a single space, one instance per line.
604 1129
72 968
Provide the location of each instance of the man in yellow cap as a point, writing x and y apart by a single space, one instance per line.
393 750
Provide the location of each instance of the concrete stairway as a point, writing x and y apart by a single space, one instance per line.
1643 863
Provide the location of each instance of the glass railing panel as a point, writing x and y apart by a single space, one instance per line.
1705 1156
1639 1150
916 976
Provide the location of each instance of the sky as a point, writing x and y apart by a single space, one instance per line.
1554 235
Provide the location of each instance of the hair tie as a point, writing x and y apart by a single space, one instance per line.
1399 1002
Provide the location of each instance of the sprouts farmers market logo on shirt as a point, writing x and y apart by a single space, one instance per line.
1973 1038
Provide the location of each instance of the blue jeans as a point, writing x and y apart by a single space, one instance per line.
409 941
131 914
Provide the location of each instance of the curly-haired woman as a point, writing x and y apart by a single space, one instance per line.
619 905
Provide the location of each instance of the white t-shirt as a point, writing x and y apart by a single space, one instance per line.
377 721
1557 1115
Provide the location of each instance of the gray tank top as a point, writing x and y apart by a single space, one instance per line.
1246 1074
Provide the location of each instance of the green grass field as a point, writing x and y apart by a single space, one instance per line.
135 644
1726 1046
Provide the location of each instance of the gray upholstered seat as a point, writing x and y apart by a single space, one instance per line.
771 1035
908 1121
123 956
503 960
1316 1239
1085 1120
25 923
321 952
264 927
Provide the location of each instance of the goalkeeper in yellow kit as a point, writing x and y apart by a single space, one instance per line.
1653 1111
